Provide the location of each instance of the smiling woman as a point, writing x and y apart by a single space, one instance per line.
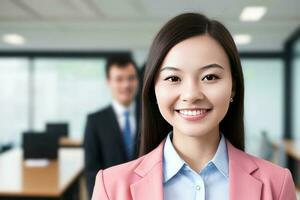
194 96
192 140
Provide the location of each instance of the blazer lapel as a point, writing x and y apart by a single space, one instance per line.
150 186
242 185
115 129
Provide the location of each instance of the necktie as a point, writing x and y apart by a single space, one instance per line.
127 136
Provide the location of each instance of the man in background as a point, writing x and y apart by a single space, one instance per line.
112 133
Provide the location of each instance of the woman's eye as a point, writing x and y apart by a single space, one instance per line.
172 79
210 77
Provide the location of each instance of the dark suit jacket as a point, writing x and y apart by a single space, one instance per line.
103 143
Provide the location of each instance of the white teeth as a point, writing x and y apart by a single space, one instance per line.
192 112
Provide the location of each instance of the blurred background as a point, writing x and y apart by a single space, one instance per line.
53 53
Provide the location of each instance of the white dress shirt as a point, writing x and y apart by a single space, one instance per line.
120 110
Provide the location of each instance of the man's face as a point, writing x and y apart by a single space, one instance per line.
123 83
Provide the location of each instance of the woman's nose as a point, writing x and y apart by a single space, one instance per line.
191 91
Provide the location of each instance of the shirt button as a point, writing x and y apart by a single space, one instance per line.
198 187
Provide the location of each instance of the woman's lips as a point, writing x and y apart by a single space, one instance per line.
193 114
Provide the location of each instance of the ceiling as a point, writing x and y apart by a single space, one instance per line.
92 25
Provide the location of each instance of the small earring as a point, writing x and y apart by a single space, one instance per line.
231 99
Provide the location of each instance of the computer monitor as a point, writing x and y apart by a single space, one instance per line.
39 145
59 129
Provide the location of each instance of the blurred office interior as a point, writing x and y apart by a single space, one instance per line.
53 53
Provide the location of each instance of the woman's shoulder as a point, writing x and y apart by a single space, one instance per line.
249 171
268 167
132 171
115 180
272 175
245 159
121 171
266 171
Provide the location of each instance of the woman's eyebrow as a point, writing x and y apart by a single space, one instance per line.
169 68
214 65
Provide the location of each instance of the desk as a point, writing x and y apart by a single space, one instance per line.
69 142
291 147
52 181
292 150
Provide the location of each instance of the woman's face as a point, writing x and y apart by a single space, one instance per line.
194 85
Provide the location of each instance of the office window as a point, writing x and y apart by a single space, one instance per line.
263 100
14 89
66 90
296 91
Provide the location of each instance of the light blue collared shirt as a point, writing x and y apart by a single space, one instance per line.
182 182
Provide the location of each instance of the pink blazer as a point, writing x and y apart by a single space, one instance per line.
250 178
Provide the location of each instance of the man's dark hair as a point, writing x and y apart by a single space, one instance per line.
120 61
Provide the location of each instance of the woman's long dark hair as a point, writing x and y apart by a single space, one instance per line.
154 127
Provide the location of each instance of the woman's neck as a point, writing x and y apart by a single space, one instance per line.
196 151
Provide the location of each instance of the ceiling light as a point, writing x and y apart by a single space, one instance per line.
14 39
242 39
253 13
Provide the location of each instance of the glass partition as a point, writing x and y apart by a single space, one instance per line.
14 99
66 90
296 90
264 98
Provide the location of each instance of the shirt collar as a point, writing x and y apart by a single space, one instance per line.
173 163
220 159
120 109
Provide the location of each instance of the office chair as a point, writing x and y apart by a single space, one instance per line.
40 145
59 129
